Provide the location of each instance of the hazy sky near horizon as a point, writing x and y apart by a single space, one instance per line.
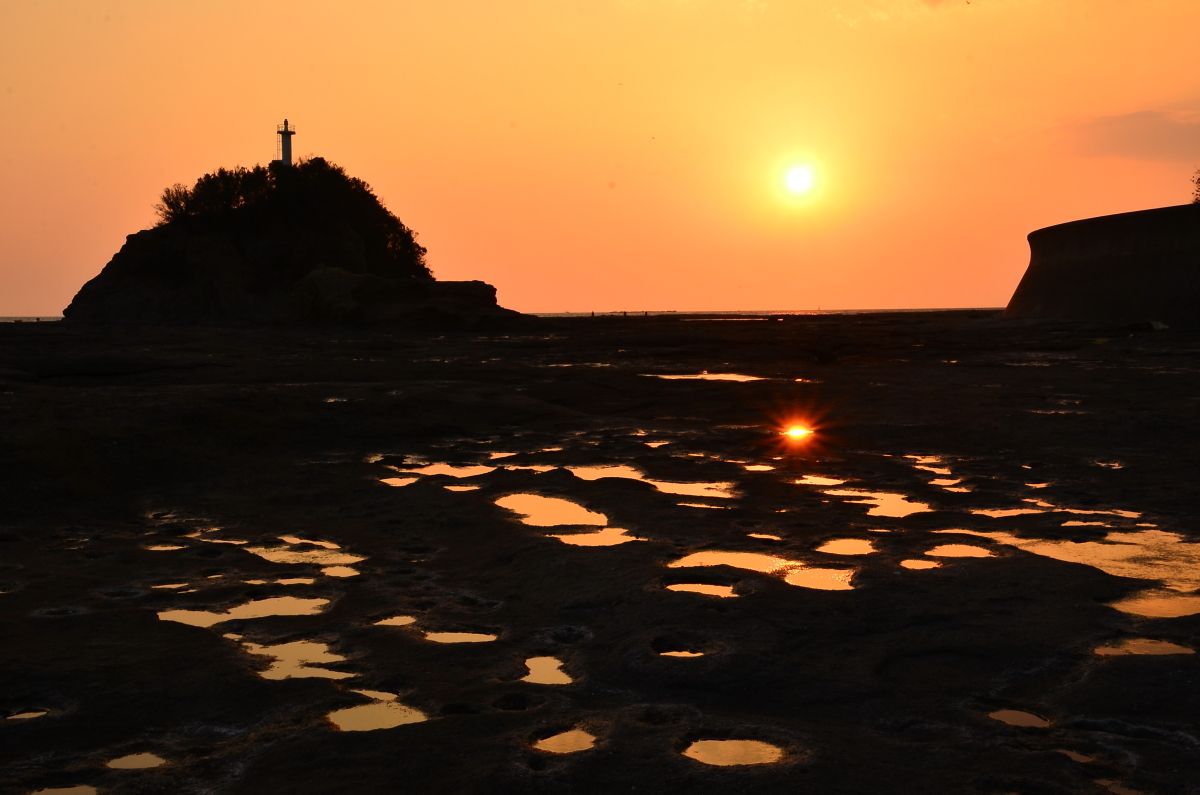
614 154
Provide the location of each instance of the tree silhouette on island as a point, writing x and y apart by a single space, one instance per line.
278 243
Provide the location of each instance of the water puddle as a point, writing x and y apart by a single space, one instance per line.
28 714
720 591
257 608
396 621
607 537
300 659
170 586
884 503
163 547
702 505
848 546
930 463
568 742
717 490
681 653
284 581
546 671
818 480
461 488
659 443
538 511
398 482
78 789
1005 513
384 712
460 637
297 551
1142 554
340 571
917 564
959 551
449 470
142 761
1159 604
758 467
793 572
1141 646
765 536
1015 717
492 456
736 377
727 753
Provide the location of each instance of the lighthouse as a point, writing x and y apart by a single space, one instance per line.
285 143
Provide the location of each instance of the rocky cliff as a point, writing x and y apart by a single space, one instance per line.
1139 266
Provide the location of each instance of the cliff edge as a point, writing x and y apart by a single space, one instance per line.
1130 267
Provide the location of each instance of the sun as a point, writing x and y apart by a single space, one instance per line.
797 432
799 179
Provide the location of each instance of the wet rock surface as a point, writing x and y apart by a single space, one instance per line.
204 470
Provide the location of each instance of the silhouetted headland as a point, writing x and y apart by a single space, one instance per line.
1131 267
280 244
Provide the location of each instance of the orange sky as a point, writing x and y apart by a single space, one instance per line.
614 154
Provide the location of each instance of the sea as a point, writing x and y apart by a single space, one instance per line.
720 314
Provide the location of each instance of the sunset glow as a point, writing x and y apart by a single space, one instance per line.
615 155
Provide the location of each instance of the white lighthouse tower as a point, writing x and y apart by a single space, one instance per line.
285 143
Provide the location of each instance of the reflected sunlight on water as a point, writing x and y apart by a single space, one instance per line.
726 753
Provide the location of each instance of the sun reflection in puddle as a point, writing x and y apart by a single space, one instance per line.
727 753
720 591
1159 604
461 488
718 490
398 482
1015 717
706 376
28 714
958 551
793 572
1143 554
1139 646
257 608
449 470
758 467
848 546
765 536
546 671
539 511
299 659
567 742
918 565
142 761
297 551
396 621
163 547
818 480
607 537
384 712
460 637
885 503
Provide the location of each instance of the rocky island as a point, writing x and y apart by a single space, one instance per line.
281 244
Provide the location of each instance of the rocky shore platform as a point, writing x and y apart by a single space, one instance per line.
581 556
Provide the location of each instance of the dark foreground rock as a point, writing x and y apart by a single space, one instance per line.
151 470
181 275
1132 267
